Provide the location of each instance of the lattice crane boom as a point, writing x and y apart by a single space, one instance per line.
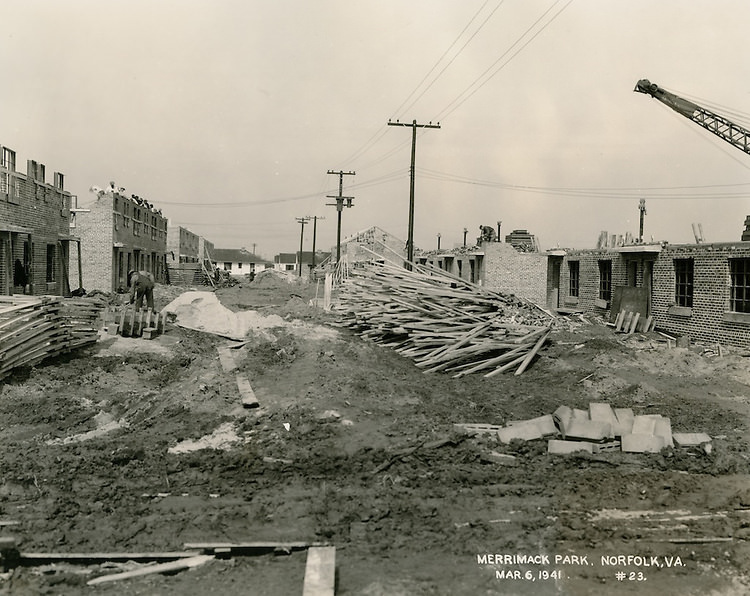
719 125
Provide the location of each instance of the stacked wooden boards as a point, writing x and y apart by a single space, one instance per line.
34 328
441 321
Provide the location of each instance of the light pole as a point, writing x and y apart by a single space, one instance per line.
465 232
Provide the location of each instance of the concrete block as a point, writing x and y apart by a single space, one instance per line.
690 439
562 417
663 428
476 429
113 329
545 424
500 458
625 419
149 333
603 412
641 443
589 430
644 425
556 446
579 414
521 430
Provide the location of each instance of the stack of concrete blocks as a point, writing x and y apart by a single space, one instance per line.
599 429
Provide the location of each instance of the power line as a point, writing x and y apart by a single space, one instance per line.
468 92
381 132
587 193
461 49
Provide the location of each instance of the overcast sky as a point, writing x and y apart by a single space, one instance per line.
227 114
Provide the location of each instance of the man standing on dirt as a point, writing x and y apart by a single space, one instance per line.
141 284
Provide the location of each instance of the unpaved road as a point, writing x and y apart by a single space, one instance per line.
91 462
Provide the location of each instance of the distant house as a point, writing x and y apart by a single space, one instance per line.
238 261
285 261
288 261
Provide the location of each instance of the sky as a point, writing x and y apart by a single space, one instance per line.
229 114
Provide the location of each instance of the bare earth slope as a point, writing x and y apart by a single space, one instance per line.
143 446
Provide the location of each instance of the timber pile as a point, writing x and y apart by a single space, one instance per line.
441 321
35 328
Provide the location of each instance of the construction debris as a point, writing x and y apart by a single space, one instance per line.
441 321
126 321
600 429
35 328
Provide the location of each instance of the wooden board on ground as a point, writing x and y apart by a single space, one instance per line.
246 392
170 567
320 571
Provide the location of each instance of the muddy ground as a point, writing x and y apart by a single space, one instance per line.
97 457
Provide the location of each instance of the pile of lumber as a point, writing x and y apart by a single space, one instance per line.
35 328
441 321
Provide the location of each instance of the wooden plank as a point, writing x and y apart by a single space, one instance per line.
531 354
226 358
634 323
320 571
246 392
41 558
247 547
170 567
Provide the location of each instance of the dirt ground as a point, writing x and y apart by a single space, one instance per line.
101 453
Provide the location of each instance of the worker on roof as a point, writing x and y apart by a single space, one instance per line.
141 285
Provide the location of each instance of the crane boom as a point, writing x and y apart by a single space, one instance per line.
712 122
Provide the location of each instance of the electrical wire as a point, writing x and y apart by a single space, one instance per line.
461 49
602 192
469 92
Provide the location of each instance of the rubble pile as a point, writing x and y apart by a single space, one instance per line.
441 321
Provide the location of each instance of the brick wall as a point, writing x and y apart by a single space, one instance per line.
184 244
28 202
95 229
119 234
506 270
627 270
706 320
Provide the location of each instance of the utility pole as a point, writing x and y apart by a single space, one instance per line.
302 221
254 245
499 223
465 232
315 231
438 240
414 127
339 204
642 209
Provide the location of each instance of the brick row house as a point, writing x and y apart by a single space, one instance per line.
701 291
35 235
118 234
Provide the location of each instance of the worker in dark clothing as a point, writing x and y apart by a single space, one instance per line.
141 285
